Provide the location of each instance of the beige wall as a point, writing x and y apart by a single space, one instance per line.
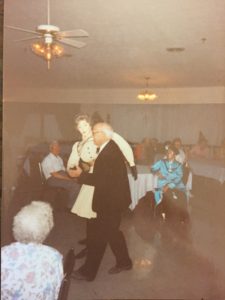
165 96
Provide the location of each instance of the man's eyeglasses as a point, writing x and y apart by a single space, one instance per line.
95 132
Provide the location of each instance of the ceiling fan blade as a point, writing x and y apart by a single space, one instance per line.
21 29
48 12
28 38
71 43
73 33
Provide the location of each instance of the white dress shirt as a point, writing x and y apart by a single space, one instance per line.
181 156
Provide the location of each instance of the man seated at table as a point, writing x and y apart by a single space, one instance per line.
55 174
148 151
182 158
170 193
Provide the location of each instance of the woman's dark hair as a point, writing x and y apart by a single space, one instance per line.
177 140
81 117
174 149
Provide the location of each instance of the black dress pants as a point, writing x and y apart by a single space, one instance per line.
71 186
102 231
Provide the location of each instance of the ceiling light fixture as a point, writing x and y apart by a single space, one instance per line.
47 48
147 95
50 39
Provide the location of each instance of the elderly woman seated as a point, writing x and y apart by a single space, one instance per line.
29 269
170 193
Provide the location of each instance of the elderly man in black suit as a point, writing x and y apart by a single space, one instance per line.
111 198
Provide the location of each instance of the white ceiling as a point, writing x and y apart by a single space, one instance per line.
128 41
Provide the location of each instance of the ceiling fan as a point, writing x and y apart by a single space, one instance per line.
50 37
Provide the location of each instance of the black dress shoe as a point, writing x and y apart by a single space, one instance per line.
118 269
82 242
79 276
82 253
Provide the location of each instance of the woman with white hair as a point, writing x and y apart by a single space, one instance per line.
29 269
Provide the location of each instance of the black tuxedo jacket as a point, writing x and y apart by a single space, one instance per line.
112 192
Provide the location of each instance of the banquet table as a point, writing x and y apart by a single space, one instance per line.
145 182
209 168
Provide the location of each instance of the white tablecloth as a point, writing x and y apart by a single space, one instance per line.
144 183
208 168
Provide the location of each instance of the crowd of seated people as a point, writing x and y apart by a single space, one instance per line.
150 150
146 152
170 162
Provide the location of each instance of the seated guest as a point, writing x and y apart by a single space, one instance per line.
181 157
170 192
158 149
222 150
29 269
56 175
166 145
145 152
201 149
156 145
149 152
138 152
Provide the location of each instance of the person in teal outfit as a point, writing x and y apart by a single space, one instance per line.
170 193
